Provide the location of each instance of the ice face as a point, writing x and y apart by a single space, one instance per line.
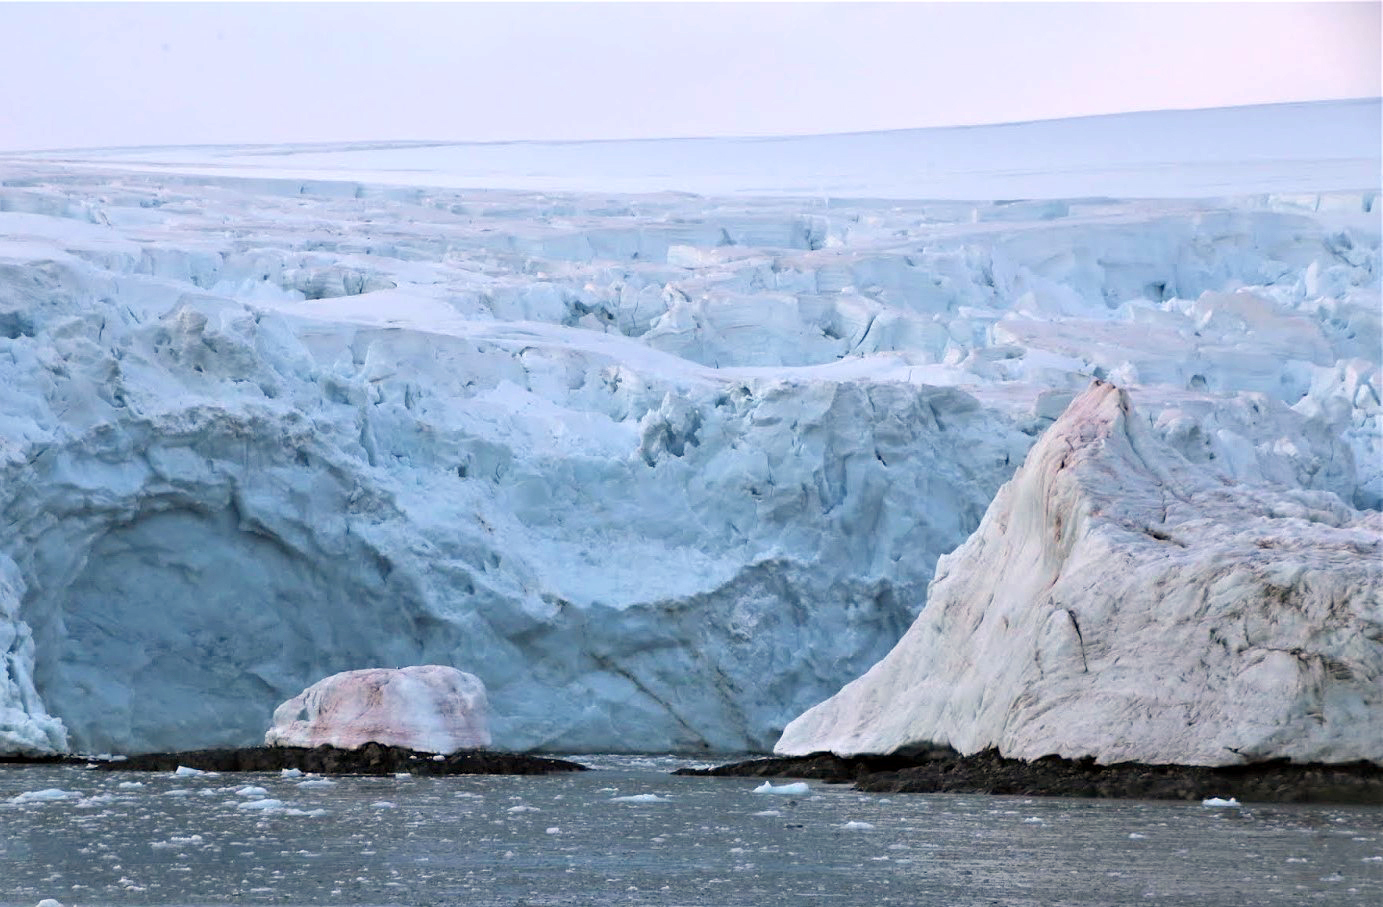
662 471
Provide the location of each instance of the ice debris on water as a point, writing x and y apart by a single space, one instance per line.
187 772
382 804
290 773
639 798
251 790
858 826
48 902
267 803
797 787
317 782
271 806
129 785
44 796
1219 801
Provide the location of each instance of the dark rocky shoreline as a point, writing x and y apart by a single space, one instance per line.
370 759
943 770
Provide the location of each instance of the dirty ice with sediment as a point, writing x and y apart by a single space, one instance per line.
660 440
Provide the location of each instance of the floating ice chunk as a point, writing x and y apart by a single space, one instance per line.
434 708
313 813
268 803
858 826
1218 801
768 812
554 830
290 773
639 798
1135 836
439 758
317 782
186 839
1033 820
382 804
48 902
44 796
797 787
402 775
129 785
188 772
251 790
521 808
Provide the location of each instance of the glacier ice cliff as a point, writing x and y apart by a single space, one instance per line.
1118 603
662 471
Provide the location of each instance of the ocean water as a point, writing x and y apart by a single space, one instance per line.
127 838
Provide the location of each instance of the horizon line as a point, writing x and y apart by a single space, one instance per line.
441 143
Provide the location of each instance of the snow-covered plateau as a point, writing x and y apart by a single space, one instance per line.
661 470
1120 603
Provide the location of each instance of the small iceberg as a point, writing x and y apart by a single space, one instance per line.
796 788
44 796
1219 801
267 804
639 798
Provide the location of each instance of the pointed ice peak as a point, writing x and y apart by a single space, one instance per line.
1114 603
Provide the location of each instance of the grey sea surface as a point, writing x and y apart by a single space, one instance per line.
86 837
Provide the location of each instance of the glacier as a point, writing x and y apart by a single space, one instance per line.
662 470
1120 604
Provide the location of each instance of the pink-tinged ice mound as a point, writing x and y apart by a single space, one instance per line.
430 708
1118 602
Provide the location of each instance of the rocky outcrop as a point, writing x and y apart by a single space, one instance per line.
431 708
370 759
1120 604
942 770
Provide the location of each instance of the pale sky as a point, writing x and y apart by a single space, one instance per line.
109 74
